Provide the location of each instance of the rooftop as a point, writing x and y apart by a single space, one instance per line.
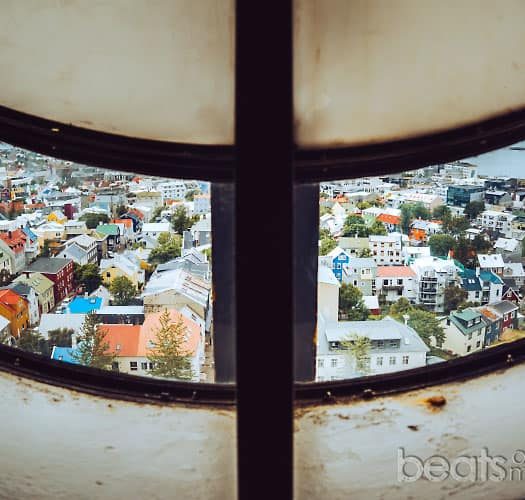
48 265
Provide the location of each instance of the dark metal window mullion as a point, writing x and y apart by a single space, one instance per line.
263 246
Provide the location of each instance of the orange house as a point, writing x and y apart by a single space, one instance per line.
15 309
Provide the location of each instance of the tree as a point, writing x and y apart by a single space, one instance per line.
190 195
441 212
464 252
180 220
365 252
156 213
354 224
402 306
358 348
351 305
169 248
44 251
169 356
454 296
455 225
324 233
88 276
378 228
363 205
441 244
33 342
419 211
427 326
327 245
123 291
474 208
92 220
120 210
406 217
324 211
92 347
61 337
480 244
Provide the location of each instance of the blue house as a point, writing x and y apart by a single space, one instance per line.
63 354
85 305
494 324
338 258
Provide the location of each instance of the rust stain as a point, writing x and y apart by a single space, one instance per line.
435 403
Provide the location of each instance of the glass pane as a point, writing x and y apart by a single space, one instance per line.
420 267
370 71
128 67
106 269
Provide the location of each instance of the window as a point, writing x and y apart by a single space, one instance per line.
379 361
392 360
133 366
320 363
144 365
478 343
405 360
381 344
469 348
334 362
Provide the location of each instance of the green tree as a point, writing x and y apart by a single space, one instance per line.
33 342
357 348
464 252
365 252
455 225
441 212
351 305
480 244
402 306
354 224
323 210
180 220
88 276
157 212
363 205
454 296
61 337
169 356
441 244
123 291
190 195
474 208
169 248
327 245
92 220
406 217
324 233
92 347
427 326
44 251
419 211
378 228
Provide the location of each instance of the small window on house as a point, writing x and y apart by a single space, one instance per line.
334 362
468 348
405 360
379 361
320 363
478 343
133 366
392 360
144 365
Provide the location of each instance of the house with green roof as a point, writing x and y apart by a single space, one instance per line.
43 288
464 331
112 231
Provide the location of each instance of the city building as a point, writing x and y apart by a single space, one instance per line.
393 282
461 195
59 271
464 331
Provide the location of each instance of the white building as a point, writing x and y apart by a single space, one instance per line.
393 282
387 250
433 275
171 190
155 229
496 221
394 346
201 204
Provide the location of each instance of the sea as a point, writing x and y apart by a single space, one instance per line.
505 162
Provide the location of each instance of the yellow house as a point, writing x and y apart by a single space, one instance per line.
57 216
121 266
52 231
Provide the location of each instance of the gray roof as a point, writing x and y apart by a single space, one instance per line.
20 288
75 252
503 306
137 310
384 329
53 321
51 265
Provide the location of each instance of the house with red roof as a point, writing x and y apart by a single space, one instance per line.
14 244
392 223
393 282
133 343
15 309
